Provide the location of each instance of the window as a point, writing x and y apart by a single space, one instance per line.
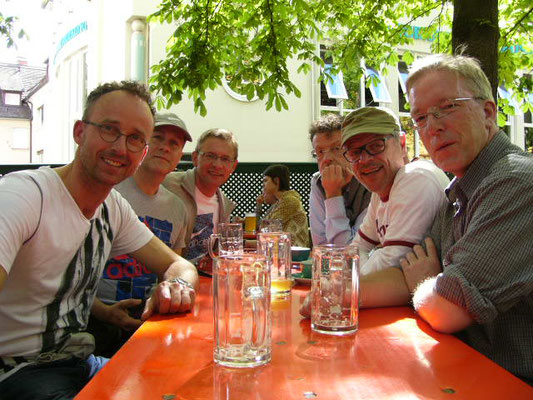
378 88
236 90
528 125
504 93
40 114
325 100
528 115
335 88
347 91
403 72
12 98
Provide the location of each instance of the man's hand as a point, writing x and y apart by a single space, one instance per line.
334 179
117 314
169 297
418 265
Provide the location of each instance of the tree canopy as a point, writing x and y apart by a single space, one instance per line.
7 29
250 42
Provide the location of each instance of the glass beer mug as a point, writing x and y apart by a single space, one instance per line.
335 289
230 240
241 296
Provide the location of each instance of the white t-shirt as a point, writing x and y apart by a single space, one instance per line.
391 228
54 265
205 224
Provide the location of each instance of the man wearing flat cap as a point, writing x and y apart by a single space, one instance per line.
405 197
125 282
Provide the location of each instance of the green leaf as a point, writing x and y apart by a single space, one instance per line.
502 119
408 57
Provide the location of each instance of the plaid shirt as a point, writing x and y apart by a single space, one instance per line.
484 236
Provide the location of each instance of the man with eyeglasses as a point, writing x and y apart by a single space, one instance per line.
126 283
405 199
337 202
58 228
214 160
474 275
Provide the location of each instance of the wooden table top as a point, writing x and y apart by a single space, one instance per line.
394 355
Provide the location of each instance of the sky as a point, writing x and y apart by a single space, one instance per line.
33 19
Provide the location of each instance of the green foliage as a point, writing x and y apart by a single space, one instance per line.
250 42
6 30
516 51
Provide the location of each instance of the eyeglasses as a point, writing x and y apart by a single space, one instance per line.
372 148
110 134
320 153
213 157
441 111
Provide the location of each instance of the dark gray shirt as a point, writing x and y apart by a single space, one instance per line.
484 236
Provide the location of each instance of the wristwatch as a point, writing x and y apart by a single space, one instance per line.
183 282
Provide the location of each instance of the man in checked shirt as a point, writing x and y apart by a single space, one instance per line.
474 277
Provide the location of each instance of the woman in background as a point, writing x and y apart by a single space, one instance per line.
286 204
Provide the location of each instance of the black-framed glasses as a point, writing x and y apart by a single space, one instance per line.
320 153
110 134
372 148
444 109
213 157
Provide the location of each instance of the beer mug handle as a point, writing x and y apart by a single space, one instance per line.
211 243
259 325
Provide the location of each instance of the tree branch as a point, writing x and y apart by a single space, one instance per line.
207 22
272 34
518 23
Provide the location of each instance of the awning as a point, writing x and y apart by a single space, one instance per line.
335 88
380 93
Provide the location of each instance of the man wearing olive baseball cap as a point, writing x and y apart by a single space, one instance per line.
125 283
405 199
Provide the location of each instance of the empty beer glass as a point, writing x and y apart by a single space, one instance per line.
276 247
241 286
270 225
335 289
230 240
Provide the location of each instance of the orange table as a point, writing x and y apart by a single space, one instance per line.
394 355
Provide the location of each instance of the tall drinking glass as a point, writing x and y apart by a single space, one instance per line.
241 286
335 289
230 240
276 247
250 222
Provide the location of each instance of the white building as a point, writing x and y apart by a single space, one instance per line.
99 41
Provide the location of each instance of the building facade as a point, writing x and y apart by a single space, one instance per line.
17 84
102 40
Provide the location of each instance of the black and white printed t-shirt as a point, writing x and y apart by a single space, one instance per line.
54 265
